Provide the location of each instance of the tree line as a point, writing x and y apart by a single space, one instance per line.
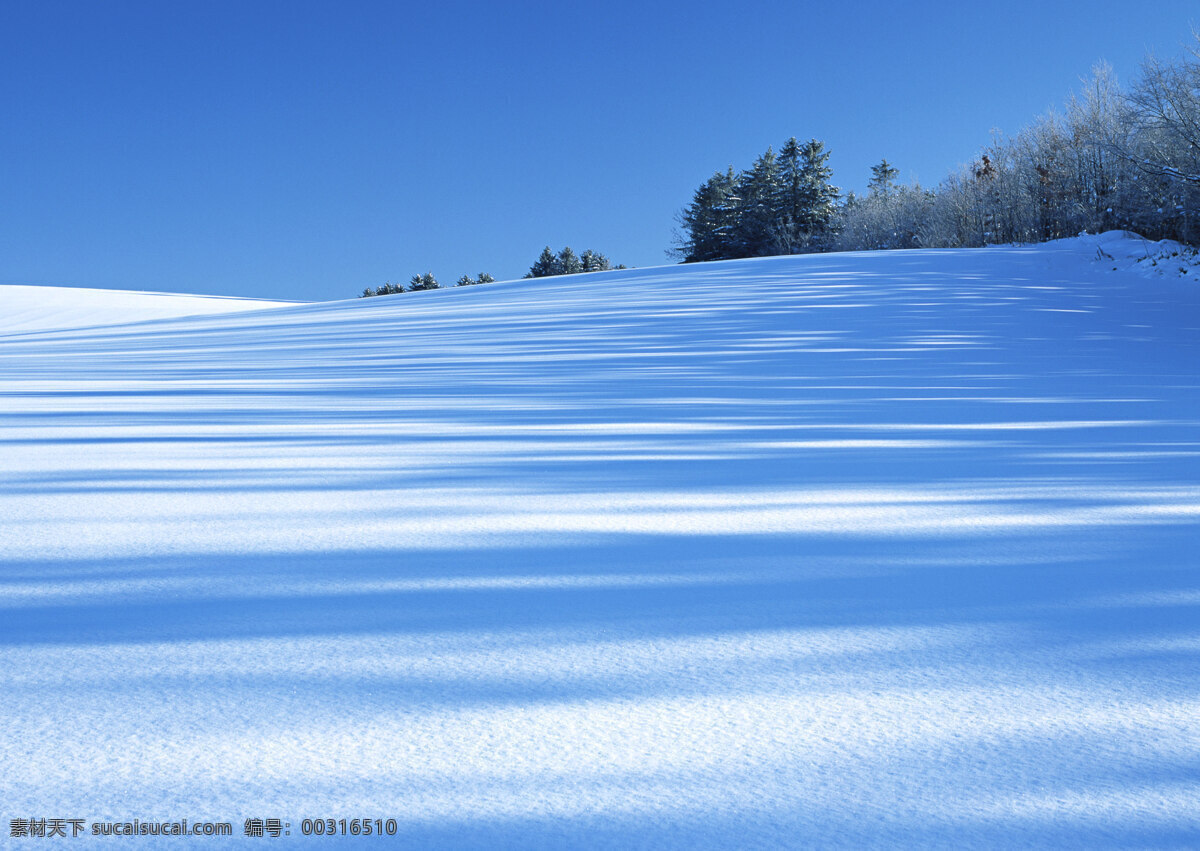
424 282
565 262
1112 158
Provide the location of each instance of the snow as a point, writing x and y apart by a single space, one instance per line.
30 308
1125 250
864 550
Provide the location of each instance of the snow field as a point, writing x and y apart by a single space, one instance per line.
868 550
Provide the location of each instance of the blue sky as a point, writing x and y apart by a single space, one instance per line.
308 149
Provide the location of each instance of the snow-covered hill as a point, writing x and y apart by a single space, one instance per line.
890 549
28 308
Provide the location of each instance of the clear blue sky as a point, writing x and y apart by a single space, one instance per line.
308 149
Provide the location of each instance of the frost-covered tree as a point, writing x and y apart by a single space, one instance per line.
1110 159
888 216
545 266
468 281
594 261
1165 103
423 282
387 289
568 263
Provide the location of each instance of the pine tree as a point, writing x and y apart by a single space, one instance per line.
387 289
883 179
818 195
467 280
759 190
545 266
593 261
788 235
708 223
423 282
568 263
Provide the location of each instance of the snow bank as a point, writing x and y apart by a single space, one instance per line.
1127 251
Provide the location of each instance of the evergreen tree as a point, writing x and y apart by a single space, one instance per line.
467 280
568 263
423 282
883 179
788 234
593 261
819 196
545 266
707 224
760 193
807 201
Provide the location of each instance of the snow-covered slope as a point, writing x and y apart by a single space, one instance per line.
892 549
27 308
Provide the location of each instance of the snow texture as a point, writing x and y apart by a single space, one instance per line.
864 550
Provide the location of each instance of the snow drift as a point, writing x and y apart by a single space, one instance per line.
871 549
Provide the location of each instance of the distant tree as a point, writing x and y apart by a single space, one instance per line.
423 282
467 280
545 266
888 216
883 179
568 263
387 289
594 261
